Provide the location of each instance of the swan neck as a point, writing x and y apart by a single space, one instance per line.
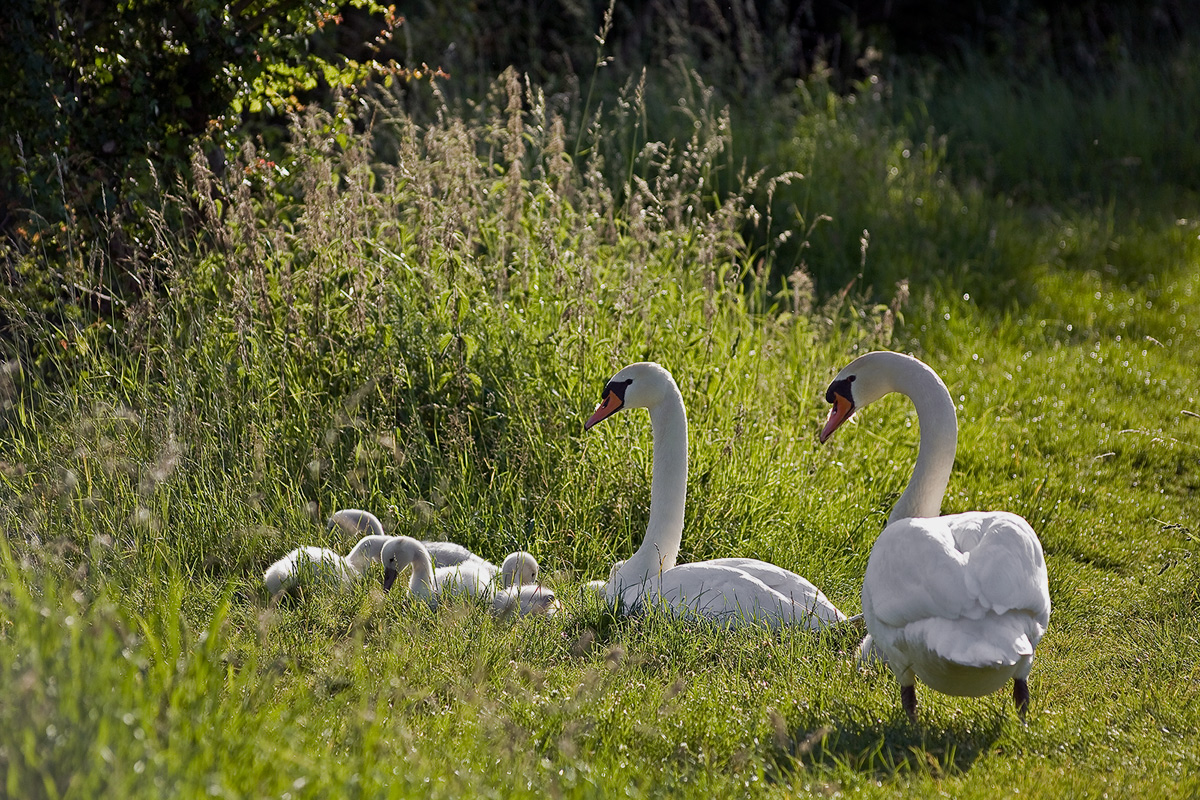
421 582
939 440
368 549
668 483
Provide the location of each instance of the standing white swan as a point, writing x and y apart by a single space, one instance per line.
728 591
444 554
959 601
323 565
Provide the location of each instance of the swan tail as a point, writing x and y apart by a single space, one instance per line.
989 642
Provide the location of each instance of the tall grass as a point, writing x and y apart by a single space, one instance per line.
416 318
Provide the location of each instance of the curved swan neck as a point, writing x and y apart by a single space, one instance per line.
939 440
368 549
354 520
668 483
421 582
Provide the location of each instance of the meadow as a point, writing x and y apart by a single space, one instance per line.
416 317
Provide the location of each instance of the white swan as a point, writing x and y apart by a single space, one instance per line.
959 601
402 552
727 591
323 565
787 583
444 554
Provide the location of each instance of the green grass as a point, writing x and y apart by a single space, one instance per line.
418 322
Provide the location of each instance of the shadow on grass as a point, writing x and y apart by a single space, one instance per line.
883 749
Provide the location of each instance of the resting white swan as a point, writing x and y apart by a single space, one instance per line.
444 554
728 591
323 565
520 594
959 601
402 552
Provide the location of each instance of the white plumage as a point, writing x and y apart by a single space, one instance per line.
510 591
729 592
522 600
961 601
800 591
444 554
320 565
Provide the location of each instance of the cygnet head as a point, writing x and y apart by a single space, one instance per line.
368 549
518 569
525 600
641 385
401 552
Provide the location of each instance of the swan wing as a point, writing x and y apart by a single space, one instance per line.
326 563
306 562
1006 570
915 572
992 641
966 588
797 588
525 599
281 575
728 596
468 579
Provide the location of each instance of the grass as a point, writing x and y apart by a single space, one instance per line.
418 320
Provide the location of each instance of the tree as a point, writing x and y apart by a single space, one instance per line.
102 96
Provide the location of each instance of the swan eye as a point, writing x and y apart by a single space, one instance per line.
616 387
840 388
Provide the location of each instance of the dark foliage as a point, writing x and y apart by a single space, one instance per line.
103 102
762 44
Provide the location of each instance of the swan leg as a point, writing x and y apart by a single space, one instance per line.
1021 696
908 700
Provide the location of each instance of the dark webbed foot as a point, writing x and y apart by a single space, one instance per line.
1021 696
908 700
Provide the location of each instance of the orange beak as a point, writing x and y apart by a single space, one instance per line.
609 405
842 409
